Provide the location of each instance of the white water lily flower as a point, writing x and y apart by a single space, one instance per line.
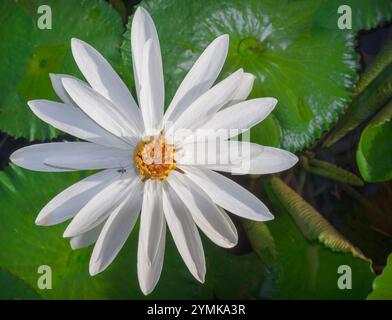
124 140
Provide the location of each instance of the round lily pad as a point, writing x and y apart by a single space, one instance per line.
309 68
29 54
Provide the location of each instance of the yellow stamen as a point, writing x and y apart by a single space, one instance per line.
154 158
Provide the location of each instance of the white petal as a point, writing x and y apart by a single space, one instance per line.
236 157
75 122
152 236
233 120
152 218
117 229
152 91
59 89
66 156
106 81
208 217
86 239
216 152
263 160
200 77
32 157
142 30
228 194
87 156
243 90
207 105
240 117
69 202
101 205
184 232
98 108
148 274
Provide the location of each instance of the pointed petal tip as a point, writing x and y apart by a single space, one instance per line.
250 75
14 157
229 244
95 266
140 13
76 41
40 221
93 269
31 103
146 290
72 244
77 45
291 160
224 37
140 10
68 233
267 102
295 159
268 217
201 277
263 217
273 103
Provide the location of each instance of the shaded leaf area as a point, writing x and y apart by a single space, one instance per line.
29 54
329 170
382 286
13 288
232 276
368 222
24 247
374 153
300 268
364 105
366 14
379 63
310 69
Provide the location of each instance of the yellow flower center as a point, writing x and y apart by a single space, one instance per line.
154 158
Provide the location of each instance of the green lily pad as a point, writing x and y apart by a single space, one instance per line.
374 153
233 277
24 247
309 68
29 54
382 285
304 269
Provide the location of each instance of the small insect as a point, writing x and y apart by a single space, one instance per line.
122 170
